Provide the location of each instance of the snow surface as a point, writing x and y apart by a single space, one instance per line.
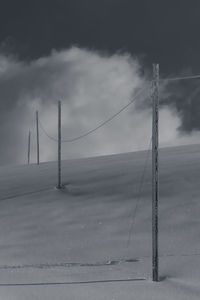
80 234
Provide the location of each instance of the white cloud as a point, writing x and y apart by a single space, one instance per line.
92 87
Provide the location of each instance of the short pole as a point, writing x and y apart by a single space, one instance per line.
59 186
155 100
29 146
37 134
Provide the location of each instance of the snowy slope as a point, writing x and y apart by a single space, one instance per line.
81 232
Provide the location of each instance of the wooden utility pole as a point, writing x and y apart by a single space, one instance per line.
59 186
37 133
155 103
29 146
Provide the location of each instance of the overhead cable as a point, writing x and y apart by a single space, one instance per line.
139 194
96 128
180 78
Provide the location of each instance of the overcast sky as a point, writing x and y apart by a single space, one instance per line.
94 55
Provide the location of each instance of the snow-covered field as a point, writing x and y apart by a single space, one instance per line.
80 234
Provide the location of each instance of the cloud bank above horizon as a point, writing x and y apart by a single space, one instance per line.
92 87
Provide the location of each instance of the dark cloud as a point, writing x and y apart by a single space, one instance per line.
153 31
163 31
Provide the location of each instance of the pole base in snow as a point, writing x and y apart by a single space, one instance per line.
61 187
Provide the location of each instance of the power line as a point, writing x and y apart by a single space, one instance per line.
139 195
117 113
94 129
45 132
99 126
180 78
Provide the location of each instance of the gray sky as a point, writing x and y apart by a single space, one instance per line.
116 44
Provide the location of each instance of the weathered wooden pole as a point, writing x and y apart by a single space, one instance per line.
29 146
59 186
155 182
37 134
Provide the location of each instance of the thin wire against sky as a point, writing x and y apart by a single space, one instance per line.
97 127
197 76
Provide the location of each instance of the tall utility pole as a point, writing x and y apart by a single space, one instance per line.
29 146
37 133
59 186
155 103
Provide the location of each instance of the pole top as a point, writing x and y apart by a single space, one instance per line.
156 72
156 67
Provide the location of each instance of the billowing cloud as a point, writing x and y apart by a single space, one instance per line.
92 87
183 97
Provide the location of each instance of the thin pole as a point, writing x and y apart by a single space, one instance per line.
59 145
29 146
38 146
155 100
